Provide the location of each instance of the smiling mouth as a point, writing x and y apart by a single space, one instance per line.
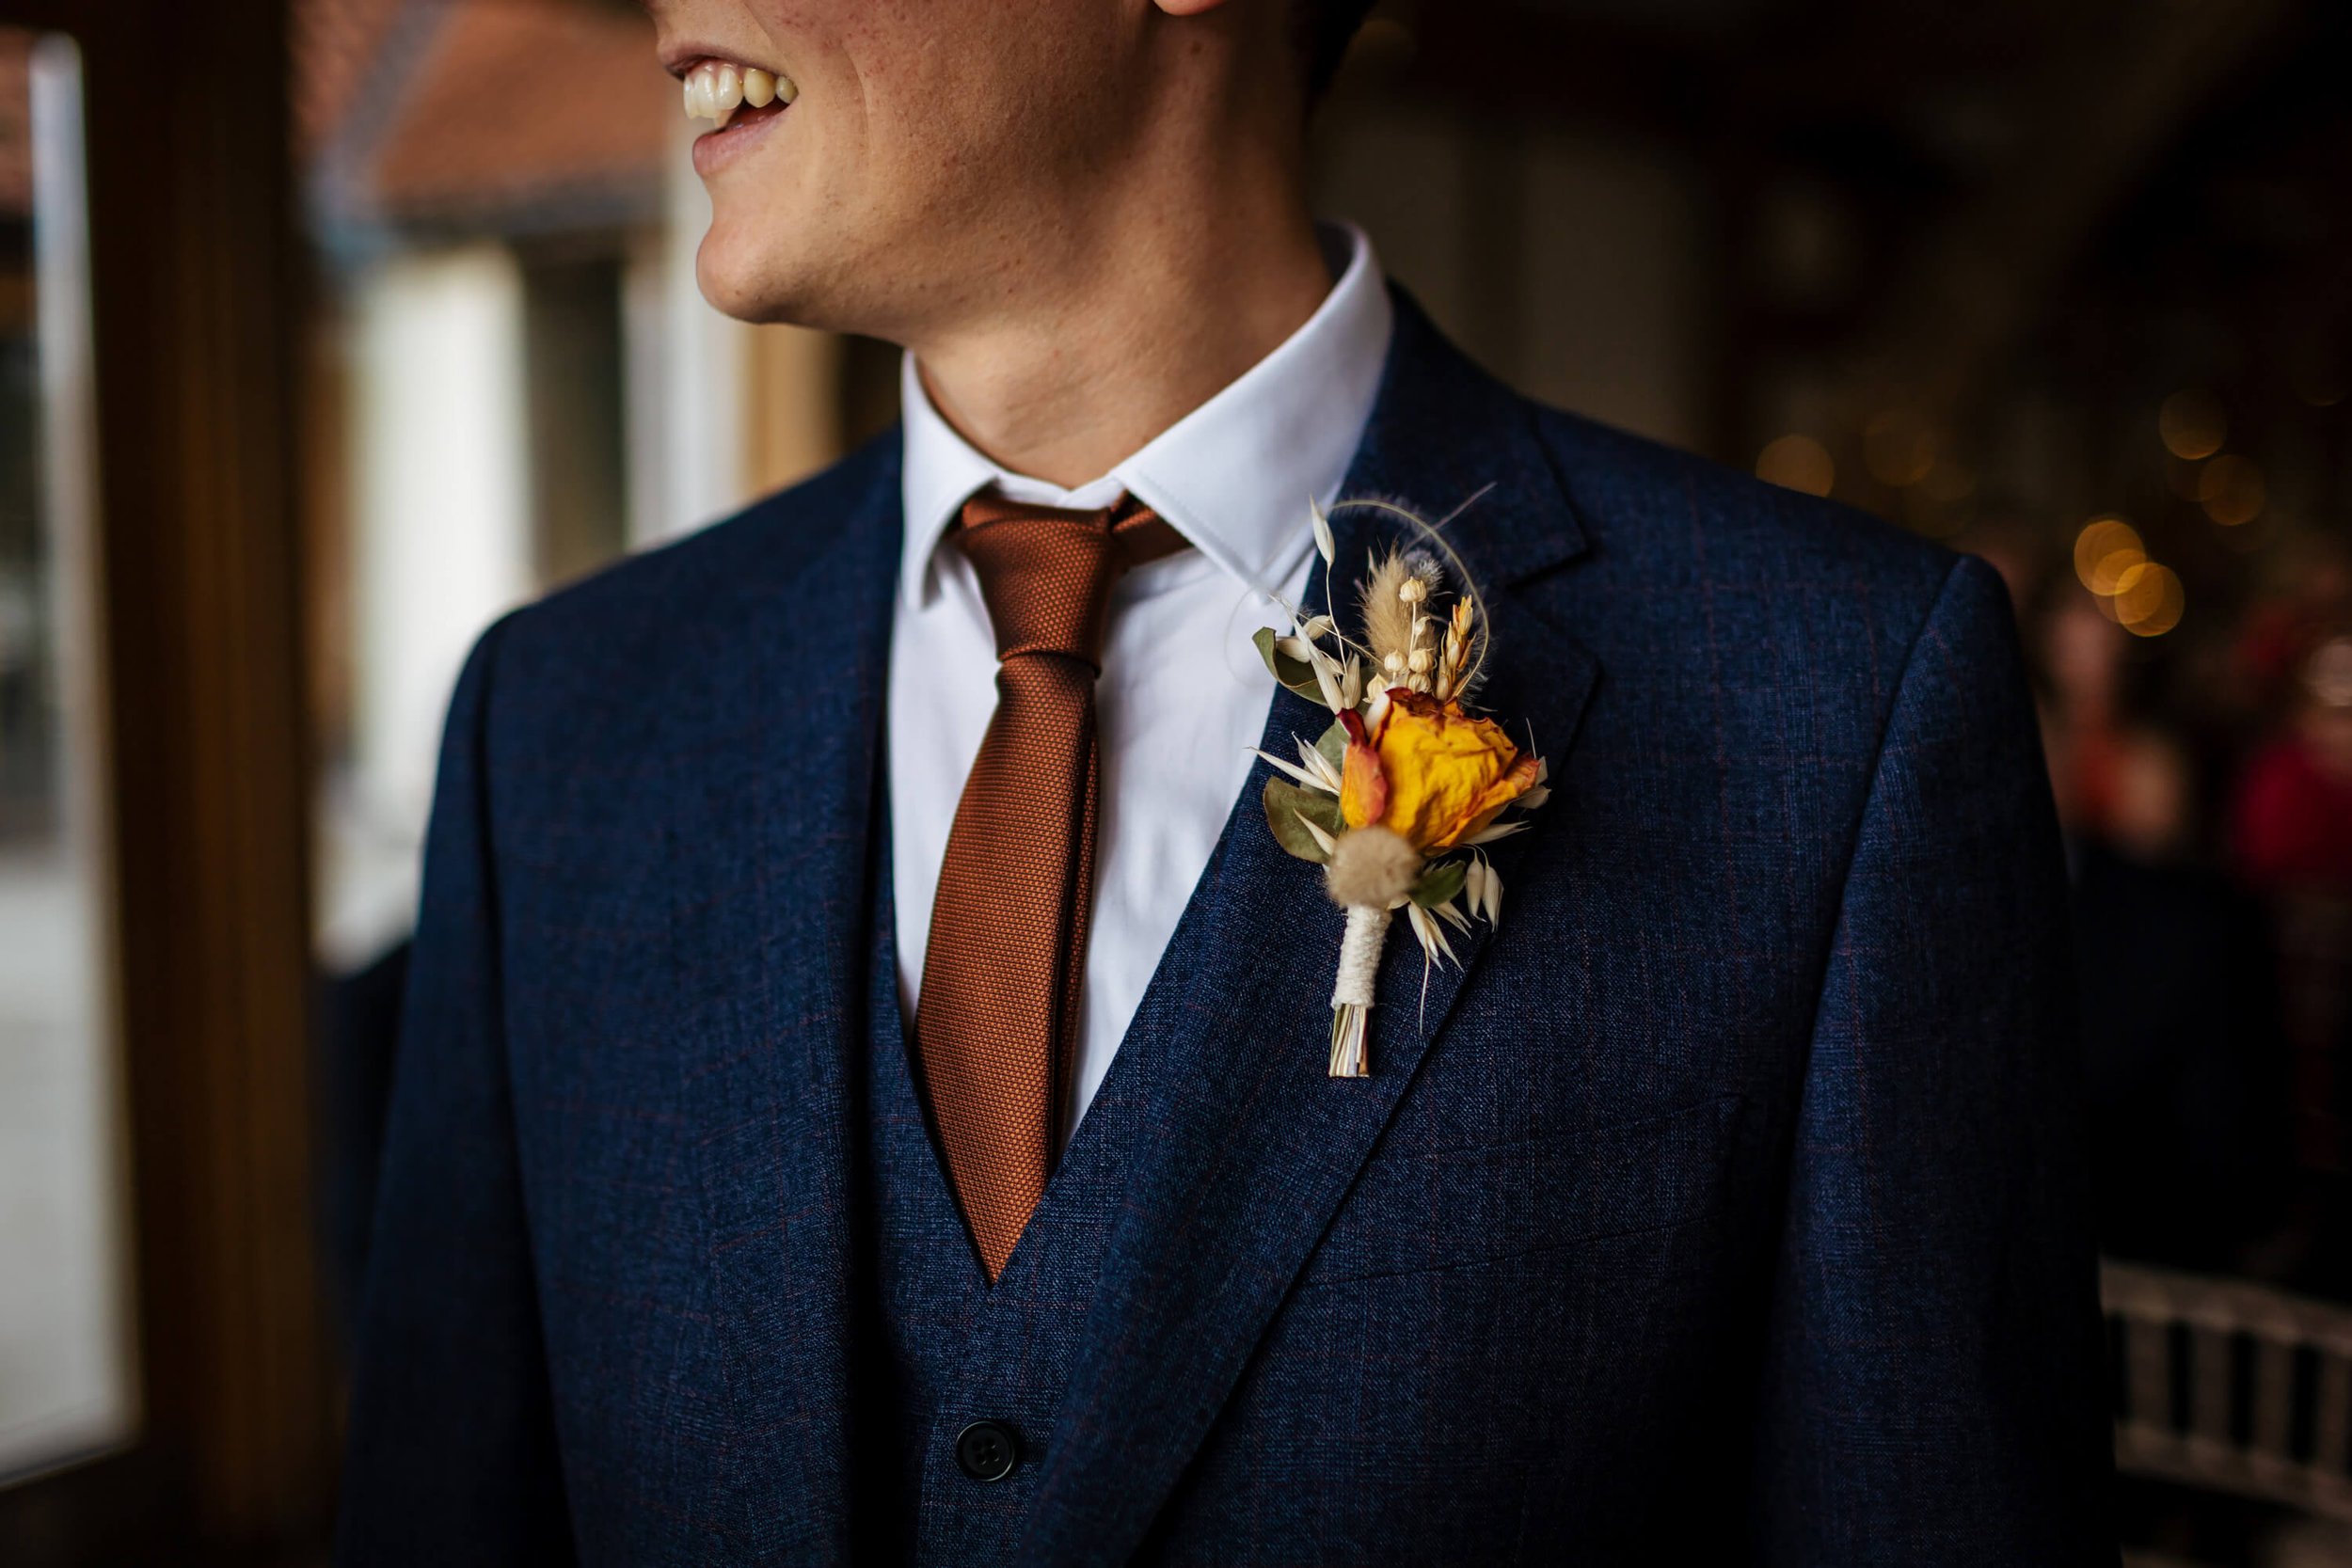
732 95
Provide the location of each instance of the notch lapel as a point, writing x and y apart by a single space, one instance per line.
1250 1146
775 761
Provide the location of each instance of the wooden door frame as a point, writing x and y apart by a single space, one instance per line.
197 287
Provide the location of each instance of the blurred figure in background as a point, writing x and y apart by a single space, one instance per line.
2311 602
2291 834
2180 1042
2082 656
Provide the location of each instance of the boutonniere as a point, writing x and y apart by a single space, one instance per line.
1398 798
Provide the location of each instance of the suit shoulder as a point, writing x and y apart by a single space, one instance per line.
1656 509
626 616
1693 569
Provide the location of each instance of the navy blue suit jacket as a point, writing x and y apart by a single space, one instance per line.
1728 1194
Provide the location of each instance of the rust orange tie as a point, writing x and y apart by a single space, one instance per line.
997 1019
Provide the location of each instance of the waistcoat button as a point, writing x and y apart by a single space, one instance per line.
987 1450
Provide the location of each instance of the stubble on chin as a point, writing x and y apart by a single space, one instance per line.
833 271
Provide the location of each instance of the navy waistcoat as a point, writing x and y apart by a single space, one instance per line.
945 1350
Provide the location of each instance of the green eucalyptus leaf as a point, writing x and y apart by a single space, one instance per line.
1439 884
1286 802
1297 674
1333 745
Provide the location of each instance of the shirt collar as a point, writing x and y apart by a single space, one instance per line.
1233 476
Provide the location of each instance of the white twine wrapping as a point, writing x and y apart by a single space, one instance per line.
1359 955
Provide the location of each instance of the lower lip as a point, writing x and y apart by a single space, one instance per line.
715 149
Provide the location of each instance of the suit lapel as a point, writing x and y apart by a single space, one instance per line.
1251 1148
775 768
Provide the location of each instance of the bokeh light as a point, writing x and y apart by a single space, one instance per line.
1899 449
2318 382
2142 595
2232 490
1798 463
2193 423
2104 550
2148 600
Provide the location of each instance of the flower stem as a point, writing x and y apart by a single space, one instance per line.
1351 995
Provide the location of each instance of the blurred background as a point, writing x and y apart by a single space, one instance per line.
363 320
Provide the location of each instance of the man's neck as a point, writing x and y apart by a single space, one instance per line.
1148 321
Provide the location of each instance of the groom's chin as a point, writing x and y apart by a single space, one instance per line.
754 279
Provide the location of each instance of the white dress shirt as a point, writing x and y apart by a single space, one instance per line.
1183 694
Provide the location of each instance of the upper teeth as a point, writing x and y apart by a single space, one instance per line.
716 88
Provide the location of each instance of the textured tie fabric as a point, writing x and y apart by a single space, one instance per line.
997 1019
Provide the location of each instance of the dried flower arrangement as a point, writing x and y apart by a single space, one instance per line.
1406 774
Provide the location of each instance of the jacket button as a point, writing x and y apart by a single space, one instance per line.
987 1450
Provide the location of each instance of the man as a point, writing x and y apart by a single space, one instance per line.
864 1089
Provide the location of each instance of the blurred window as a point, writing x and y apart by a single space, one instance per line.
513 376
66 1375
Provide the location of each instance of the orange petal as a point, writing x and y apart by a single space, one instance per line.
1489 804
1363 784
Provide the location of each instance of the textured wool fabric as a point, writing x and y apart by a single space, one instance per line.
944 1345
1724 1204
997 1019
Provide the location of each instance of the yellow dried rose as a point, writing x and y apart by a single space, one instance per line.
1429 772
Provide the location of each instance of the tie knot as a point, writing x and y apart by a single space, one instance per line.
1046 572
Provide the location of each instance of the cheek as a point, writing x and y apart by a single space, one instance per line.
925 123
958 91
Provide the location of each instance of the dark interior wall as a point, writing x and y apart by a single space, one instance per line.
574 391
